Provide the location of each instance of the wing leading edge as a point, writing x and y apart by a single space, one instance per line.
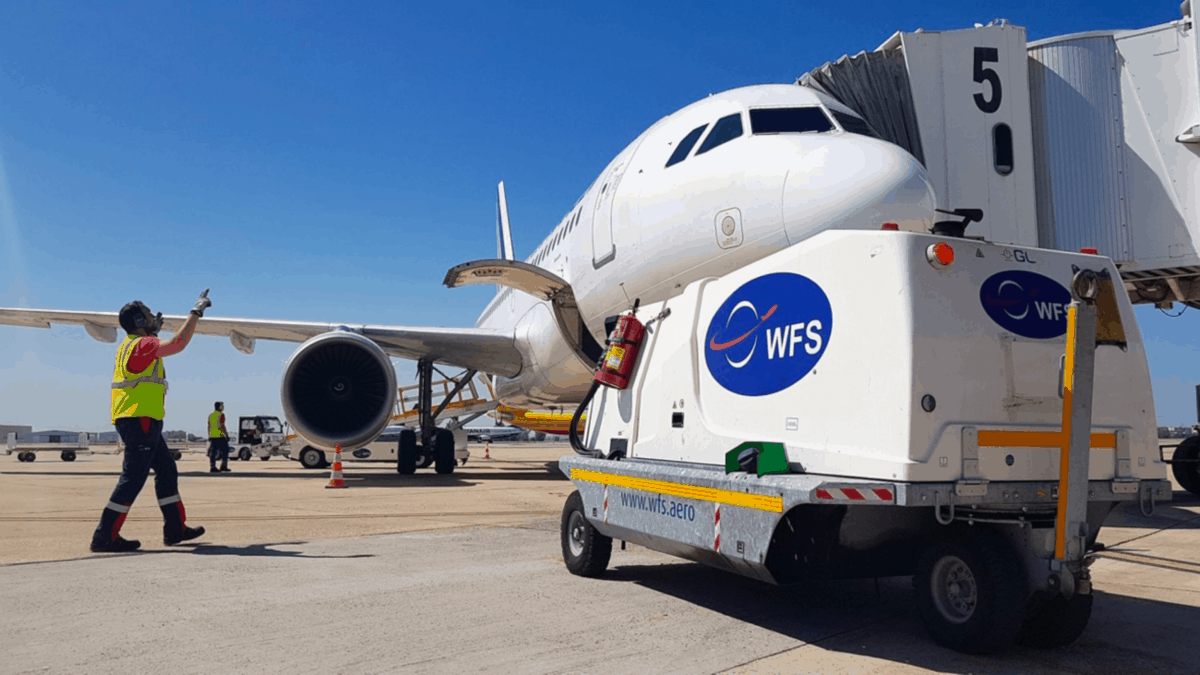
484 350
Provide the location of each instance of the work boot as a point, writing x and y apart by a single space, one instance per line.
188 534
117 545
214 469
225 467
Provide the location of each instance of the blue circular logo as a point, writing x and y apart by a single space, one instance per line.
1026 303
768 334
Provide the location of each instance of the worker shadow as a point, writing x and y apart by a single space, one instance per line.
254 550
876 619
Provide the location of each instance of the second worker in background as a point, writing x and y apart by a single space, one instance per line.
218 439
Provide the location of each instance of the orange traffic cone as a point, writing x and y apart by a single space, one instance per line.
335 476
487 450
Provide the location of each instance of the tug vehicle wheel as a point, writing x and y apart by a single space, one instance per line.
444 451
1056 622
265 457
244 454
585 551
311 458
406 452
970 592
177 455
1187 474
68 455
25 457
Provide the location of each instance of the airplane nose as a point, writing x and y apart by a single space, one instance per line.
856 183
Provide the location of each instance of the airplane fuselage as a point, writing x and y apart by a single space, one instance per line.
713 187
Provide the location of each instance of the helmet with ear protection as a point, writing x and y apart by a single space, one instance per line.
136 315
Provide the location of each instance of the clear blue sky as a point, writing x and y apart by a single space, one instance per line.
330 161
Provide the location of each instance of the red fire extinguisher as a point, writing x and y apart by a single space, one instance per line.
623 347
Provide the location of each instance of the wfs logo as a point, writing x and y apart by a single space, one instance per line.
1026 303
768 334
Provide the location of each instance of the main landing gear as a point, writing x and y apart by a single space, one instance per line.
429 443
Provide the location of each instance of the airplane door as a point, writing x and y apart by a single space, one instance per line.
603 249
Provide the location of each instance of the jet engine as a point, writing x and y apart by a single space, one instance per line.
339 388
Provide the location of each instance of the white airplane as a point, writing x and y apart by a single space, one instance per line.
722 183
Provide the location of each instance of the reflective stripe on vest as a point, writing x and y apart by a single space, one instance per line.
137 394
214 424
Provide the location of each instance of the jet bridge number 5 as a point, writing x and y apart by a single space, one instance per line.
987 55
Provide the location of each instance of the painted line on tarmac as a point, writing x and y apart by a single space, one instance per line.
331 516
1150 561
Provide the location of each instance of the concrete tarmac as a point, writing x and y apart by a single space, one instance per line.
430 574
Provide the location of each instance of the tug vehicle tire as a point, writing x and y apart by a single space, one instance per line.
68 455
585 551
244 454
1187 474
970 592
311 458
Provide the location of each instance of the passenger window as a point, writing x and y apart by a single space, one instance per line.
685 146
789 121
726 129
854 125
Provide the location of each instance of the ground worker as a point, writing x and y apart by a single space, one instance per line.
139 388
218 439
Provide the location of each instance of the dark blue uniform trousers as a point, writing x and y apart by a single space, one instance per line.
145 449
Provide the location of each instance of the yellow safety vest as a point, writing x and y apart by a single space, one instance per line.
214 424
137 394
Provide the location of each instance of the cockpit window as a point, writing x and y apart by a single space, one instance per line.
685 146
789 120
726 129
854 125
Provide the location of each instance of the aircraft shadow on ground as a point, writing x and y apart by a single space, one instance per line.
877 619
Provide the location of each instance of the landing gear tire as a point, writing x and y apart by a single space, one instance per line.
68 455
1056 622
1187 474
244 454
311 458
585 551
443 450
970 592
406 453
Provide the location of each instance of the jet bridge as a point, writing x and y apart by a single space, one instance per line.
1080 141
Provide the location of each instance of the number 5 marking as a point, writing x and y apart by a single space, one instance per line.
987 55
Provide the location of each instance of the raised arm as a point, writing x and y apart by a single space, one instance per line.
184 335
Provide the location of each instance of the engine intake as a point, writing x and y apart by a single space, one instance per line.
339 388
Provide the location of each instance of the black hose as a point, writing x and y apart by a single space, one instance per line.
576 441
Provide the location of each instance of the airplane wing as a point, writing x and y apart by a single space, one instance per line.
486 351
